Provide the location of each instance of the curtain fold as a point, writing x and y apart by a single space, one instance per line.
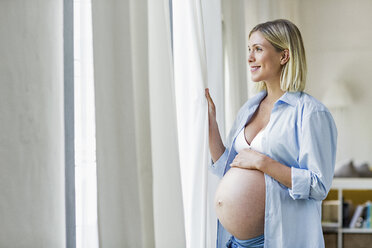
235 45
32 199
120 171
212 21
168 208
197 65
138 177
84 121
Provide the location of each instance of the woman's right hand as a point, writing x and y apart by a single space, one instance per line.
216 146
211 106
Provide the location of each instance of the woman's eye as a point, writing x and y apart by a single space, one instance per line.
255 48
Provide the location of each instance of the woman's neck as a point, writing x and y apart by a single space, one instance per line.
273 95
274 92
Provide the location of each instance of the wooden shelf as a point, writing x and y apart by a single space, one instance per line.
356 230
340 185
352 183
330 224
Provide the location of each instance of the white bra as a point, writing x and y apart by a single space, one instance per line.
241 143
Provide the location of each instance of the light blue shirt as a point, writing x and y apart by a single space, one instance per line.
301 134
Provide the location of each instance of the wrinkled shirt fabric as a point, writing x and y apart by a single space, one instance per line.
302 135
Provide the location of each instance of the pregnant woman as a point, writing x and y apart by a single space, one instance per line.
278 161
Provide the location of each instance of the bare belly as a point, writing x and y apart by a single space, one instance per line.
240 202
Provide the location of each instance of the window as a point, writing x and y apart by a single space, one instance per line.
85 143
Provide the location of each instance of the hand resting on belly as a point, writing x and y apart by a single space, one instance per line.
240 202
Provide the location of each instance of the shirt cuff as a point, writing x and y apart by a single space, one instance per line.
301 181
218 168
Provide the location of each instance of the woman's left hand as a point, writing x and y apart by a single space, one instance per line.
248 159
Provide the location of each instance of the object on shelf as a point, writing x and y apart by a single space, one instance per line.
359 222
330 211
346 212
348 168
368 217
356 216
363 169
362 216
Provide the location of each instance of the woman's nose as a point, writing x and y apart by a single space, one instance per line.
251 57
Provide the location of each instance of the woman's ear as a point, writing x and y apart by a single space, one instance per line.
285 57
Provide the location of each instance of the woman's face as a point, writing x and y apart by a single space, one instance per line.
264 61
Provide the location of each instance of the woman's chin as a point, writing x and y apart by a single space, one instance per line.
255 80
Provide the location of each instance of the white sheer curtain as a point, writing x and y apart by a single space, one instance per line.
32 182
235 44
197 65
140 201
168 208
120 169
139 189
85 143
138 147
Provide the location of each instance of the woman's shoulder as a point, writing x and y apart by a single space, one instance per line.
308 104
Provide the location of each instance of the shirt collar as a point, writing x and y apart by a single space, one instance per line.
290 98
258 98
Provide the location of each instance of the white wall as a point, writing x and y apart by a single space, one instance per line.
32 206
337 36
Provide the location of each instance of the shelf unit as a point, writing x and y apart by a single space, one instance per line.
341 184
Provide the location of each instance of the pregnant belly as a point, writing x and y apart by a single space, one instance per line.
240 202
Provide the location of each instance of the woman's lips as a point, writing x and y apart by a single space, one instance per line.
254 68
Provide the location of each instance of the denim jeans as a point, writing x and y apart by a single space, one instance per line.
257 242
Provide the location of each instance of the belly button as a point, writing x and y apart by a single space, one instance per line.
219 203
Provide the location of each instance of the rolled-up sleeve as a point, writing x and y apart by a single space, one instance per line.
218 167
312 179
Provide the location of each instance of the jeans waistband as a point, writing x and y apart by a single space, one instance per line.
257 242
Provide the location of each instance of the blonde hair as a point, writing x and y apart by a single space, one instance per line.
283 34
